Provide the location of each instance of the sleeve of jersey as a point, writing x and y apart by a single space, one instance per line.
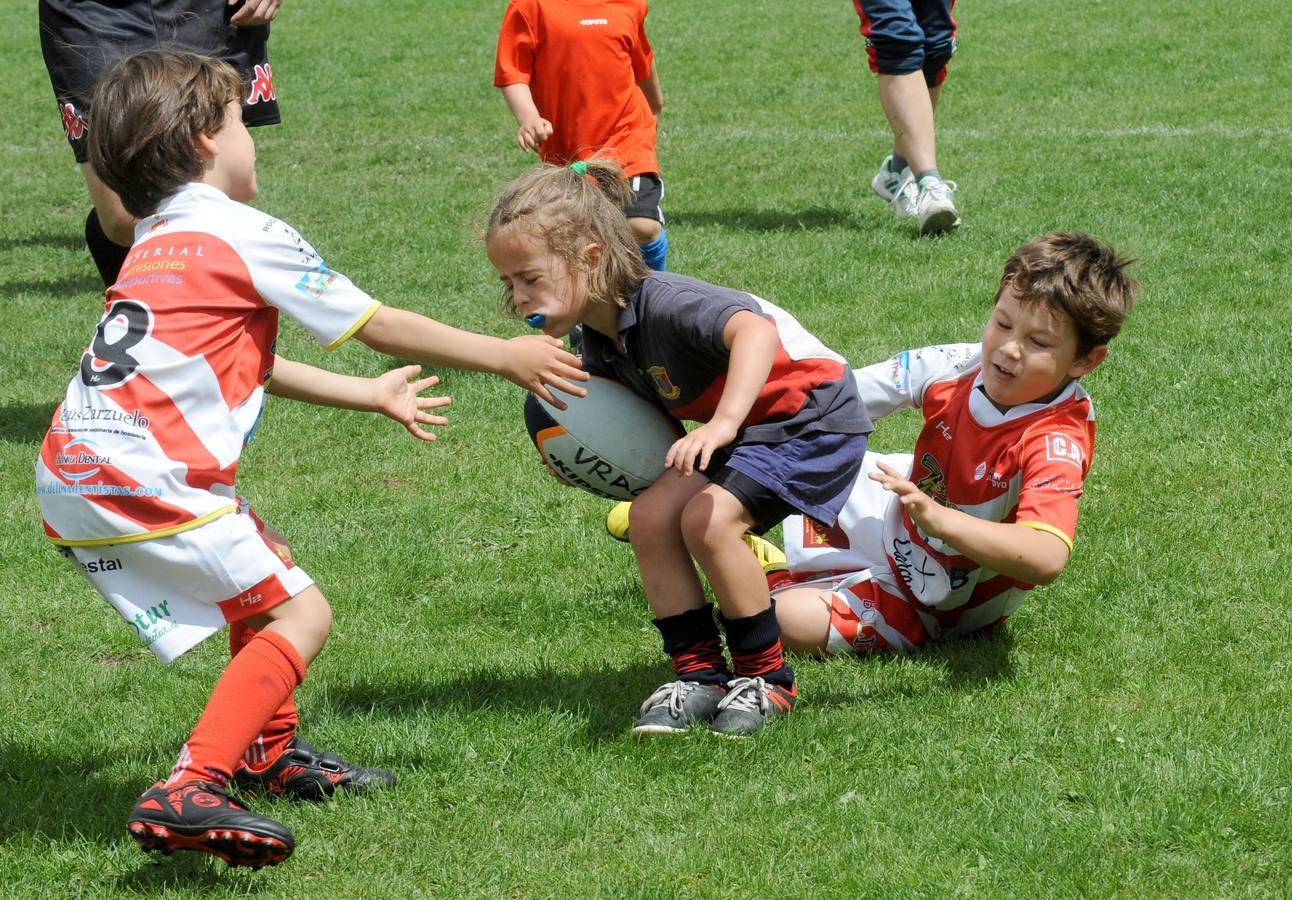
290 276
899 382
514 62
642 54
1054 463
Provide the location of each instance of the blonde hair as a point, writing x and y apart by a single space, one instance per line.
1078 274
147 113
566 208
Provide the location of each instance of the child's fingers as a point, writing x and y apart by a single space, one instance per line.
433 402
427 419
418 433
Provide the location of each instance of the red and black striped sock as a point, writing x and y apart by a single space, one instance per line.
692 640
755 645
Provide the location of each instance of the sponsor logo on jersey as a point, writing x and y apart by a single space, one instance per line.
934 483
73 122
154 623
594 21
317 281
667 389
92 566
980 472
902 372
82 463
1062 448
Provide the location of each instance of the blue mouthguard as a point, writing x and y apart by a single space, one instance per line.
536 320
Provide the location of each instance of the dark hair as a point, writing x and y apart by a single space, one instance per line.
1078 274
566 208
147 113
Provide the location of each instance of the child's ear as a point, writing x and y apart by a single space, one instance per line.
592 253
205 145
1084 365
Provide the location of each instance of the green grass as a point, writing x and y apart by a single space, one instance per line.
1127 734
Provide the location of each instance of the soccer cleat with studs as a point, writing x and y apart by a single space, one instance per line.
749 705
676 706
200 816
301 772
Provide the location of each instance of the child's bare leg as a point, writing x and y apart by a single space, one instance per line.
714 524
655 531
804 614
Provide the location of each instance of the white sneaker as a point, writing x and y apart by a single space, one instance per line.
886 181
935 206
906 199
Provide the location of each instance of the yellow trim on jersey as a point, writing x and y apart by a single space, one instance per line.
1050 529
146 535
363 320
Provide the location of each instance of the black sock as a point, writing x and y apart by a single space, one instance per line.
107 254
692 640
898 163
755 645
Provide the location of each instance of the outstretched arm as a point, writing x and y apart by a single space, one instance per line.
532 361
1029 555
391 394
752 341
532 128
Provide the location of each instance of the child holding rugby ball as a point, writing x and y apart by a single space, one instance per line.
783 430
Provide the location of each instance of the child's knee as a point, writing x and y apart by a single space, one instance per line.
644 230
709 527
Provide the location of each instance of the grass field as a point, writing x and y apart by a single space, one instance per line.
1127 735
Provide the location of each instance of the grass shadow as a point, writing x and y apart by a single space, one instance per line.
61 241
88 283
813 218
26 423
606 698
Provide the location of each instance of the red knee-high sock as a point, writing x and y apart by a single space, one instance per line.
253 686
278 732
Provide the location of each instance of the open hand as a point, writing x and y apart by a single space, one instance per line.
400 398
924 511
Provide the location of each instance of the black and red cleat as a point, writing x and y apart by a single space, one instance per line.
305 774
200 816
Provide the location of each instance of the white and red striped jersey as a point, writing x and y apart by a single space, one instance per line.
147 439
1025 465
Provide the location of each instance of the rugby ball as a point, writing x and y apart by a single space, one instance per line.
611 442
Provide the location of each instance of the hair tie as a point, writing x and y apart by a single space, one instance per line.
580 167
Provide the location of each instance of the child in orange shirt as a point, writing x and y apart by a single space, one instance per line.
580 78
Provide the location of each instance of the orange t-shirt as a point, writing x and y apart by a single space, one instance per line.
582 60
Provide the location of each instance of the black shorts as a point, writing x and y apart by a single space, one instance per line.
648 192
80 39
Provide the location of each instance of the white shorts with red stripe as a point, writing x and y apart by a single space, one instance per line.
177 591
864 617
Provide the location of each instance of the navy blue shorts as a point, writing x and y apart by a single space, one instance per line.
904 36
812 474
81 39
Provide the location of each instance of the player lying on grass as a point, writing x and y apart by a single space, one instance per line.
136 474
948 540
784 429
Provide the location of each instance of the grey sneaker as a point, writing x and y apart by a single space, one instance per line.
907 196
935 206
677 705
749 704
886 181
